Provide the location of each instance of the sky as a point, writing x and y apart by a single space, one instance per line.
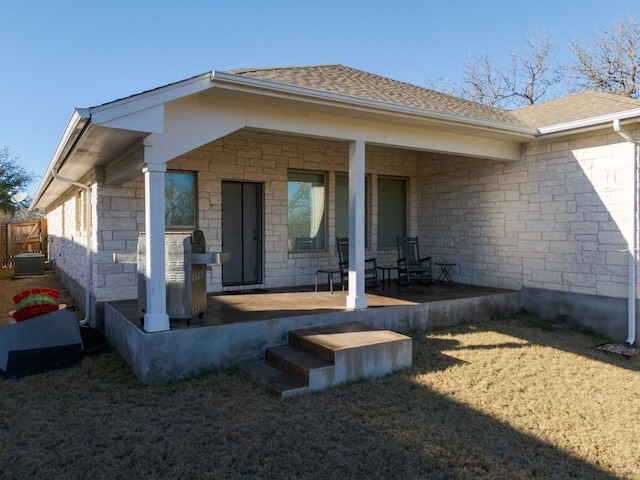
57 55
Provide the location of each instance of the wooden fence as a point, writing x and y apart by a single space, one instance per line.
26 237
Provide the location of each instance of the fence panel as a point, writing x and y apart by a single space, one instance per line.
26 237
5 258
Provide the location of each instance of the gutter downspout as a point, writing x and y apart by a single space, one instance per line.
633 240
86 188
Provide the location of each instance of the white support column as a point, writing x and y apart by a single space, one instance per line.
156 318
356 298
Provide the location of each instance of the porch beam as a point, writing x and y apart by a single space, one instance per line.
427 137
356 298
126 166
156 318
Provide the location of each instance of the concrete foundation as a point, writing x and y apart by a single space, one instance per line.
605 315
177 354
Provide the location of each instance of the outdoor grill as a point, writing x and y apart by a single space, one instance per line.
186 262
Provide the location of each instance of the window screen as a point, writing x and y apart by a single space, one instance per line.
392 210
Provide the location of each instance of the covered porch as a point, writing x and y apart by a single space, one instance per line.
238 326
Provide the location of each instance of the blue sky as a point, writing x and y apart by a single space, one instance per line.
57 55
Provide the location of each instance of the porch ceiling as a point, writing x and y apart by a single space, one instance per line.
95 146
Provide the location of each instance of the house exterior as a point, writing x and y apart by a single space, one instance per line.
272 164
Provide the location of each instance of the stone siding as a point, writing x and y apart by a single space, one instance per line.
557 220
67 237
252 158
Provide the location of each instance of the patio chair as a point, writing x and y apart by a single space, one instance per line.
410 265
370 265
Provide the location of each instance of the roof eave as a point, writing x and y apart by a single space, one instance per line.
149 99
82 118
588 124
77 124
241 82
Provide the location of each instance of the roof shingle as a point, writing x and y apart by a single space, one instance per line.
350 81
574 107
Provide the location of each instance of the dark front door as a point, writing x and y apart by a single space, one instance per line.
242 233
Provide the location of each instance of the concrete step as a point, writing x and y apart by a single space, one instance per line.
357 350
320 357
294 361
321 340
315 371
279 382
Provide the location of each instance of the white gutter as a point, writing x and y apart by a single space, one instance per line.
633 240
74 132
589 123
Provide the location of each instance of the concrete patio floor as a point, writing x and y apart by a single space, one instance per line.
239 326
265 304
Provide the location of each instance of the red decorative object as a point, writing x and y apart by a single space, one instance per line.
35 302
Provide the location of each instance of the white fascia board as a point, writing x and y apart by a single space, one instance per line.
77 123
110 114
589 123
321 96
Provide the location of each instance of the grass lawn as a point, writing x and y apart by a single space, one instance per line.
510 398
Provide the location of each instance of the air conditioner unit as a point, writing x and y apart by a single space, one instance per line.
28 264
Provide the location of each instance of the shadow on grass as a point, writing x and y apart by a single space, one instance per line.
98 421
426 435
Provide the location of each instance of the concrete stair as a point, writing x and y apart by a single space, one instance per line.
320 357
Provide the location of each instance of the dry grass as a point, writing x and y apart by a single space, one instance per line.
512 398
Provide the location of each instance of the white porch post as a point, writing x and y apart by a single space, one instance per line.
356 298
156 318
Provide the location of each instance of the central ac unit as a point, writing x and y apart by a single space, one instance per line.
28 264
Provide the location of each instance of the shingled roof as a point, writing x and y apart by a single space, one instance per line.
350 81
338 78
574 107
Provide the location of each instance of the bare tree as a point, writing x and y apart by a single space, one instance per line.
529 78
611 63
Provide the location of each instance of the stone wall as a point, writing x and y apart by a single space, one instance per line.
67 236
556 220
255 158
555 225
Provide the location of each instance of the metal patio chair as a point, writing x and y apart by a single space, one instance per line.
370 265
411 266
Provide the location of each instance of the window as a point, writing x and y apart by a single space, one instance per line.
180 200
392 210
306 211
342 207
